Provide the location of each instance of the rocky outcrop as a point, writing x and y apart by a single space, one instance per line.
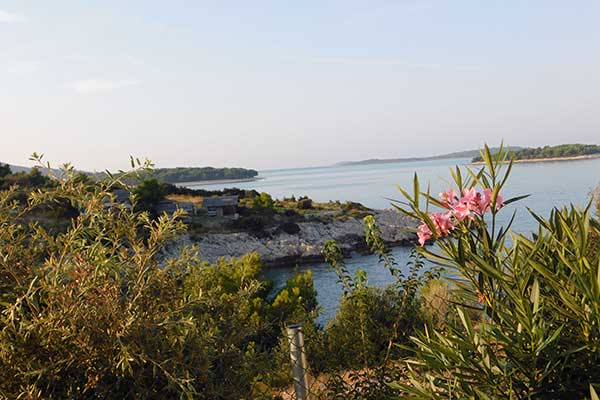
279 248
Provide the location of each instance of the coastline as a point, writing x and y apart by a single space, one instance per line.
216 182
551 159
279 249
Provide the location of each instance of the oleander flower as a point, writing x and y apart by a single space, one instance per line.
448 197
442 222
470 204
424 234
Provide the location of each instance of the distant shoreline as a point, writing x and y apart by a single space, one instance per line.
550 159
216 182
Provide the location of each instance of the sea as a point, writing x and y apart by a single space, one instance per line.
548 184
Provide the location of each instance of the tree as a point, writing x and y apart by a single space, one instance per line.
264 200
5 170
527 321
148 193
304 203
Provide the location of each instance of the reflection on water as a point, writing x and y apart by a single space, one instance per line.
549 184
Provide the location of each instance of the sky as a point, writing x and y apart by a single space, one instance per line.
278 84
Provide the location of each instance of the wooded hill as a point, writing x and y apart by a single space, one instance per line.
559 151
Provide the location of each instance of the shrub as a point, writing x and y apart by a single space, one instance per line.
304 204
5 170
252 223
147 194
368 322
435 302
290 228
538 296
371 322
290 213
26 181
264 200
101 311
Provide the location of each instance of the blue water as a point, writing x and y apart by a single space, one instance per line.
549 184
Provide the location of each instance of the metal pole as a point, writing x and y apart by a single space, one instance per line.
298 358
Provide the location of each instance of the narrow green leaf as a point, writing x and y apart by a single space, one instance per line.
416 190
593 394
535 296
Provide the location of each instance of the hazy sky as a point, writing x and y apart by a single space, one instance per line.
268 84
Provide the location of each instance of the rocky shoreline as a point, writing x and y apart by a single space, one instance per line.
281 249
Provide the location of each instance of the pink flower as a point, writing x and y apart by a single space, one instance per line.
499 202
448 197
469 195
424 234
485 203
466 204
462 210
443 223
470 204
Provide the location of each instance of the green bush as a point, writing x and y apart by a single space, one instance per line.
436 299
538 297
291 228
101 311
5 170
264 200
26 181
254 224
304 204
148 194
371 322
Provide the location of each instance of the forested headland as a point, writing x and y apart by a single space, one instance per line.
194 174
563 151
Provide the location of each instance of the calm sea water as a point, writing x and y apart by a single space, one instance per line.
549 185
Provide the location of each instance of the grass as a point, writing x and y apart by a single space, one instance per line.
196 200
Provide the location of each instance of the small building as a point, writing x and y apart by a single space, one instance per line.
165 206
220 206
170 207
187 206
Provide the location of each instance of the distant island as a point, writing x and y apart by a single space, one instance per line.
176 175
194 175
187 175
458 154
552 153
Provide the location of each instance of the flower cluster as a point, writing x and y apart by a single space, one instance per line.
470 204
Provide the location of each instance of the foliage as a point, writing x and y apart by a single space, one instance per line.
102 311
563 150
595 198
182 190
368 319
189 174
366 384
253 224
5 170
538 298
371 321
436 298
291 228
298 295
174 175
26 181
148 194
304 203
264 200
